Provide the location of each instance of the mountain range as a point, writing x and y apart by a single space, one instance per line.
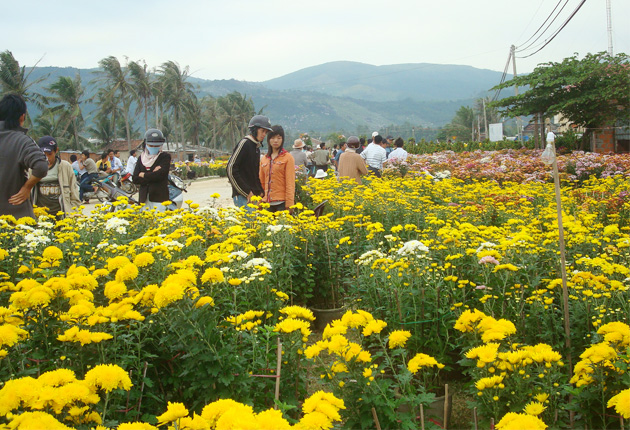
343 95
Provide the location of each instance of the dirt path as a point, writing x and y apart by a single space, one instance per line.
199 191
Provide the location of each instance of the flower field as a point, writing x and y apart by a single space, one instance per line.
146 320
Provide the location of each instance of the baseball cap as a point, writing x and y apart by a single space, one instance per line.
47 144
374 133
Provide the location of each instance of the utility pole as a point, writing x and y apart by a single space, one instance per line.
519 121
485 117
609 18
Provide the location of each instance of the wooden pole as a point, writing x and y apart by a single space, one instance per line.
421 416
475 419
375 418
278 370
445 418
563 270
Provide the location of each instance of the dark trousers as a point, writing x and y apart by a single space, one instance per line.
375 171
86 183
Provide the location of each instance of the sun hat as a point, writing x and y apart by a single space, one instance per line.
320 174
374 133
298 144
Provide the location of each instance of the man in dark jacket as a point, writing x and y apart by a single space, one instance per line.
243 165
18 153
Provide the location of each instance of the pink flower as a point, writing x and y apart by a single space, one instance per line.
480 287
488 259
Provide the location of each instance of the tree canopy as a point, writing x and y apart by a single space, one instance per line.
592 92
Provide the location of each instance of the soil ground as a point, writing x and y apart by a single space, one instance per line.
199 191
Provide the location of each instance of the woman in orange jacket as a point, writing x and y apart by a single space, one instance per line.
277 173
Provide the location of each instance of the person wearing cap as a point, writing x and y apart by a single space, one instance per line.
244 164
375 155
351 164
299 156
390 145
151 171
18 154
277 173
58 191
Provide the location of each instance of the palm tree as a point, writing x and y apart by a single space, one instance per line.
46 124
141 83
235 111
118 89
15 79
177 92
196 122
68 92
103 130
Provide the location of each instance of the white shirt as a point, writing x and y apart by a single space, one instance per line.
374 155
78 168
551 137
117 165
398 153
131 164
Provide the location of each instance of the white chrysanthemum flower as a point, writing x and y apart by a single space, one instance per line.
412 247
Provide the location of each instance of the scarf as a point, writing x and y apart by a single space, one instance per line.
148 159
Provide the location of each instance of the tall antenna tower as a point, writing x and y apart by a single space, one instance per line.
609 18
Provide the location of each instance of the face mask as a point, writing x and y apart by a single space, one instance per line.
153 150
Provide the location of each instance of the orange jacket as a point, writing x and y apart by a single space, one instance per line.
278 178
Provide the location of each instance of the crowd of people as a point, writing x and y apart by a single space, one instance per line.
34 173
271 177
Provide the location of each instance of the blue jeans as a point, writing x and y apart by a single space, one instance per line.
240 201
86 183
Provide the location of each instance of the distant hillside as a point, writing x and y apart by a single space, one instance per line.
422 82
339 96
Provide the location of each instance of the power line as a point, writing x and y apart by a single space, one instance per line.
521 49
541 25
507 65
547 42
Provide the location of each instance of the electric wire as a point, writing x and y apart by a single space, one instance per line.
541 25
547 42
505 70
521 48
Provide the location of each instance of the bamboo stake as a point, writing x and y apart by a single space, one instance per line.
375 418
445 418
563 271
278 370
144 376
421 416
491 423
475 419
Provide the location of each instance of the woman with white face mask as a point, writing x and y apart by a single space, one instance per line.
151 171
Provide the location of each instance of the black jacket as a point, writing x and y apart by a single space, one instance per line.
154 184
242 168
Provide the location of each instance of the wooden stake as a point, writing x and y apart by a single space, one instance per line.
144 376
375 418
491 423
563 269
475 419
421 416
445 418
278 370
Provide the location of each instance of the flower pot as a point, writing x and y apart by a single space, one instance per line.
323 317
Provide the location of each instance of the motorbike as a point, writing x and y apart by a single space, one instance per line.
176 190
127 185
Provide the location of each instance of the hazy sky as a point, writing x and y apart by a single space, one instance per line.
260 40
